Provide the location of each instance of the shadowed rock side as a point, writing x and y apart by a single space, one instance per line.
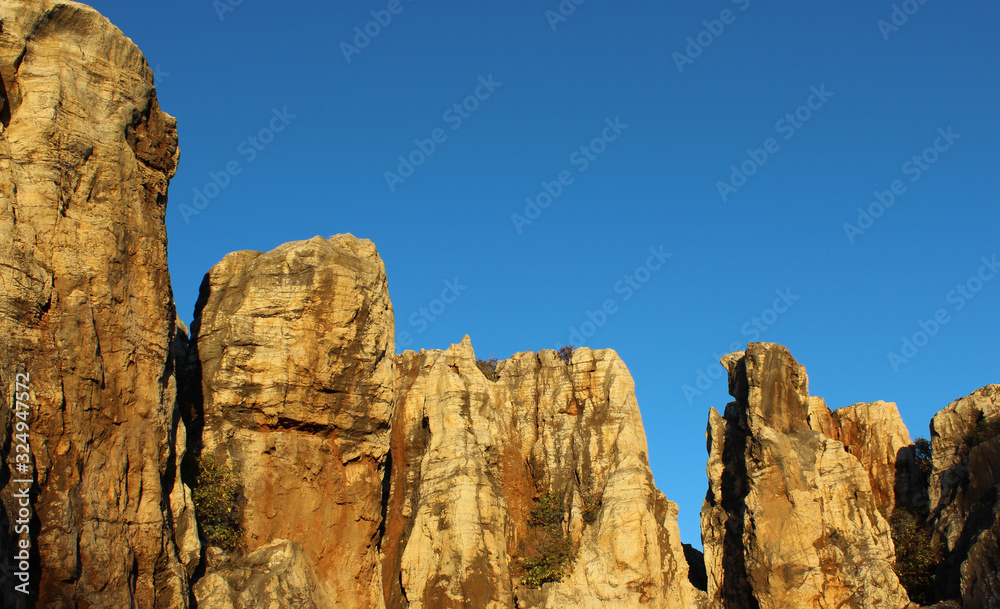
790 519
85 158
469 458
964 484
295 349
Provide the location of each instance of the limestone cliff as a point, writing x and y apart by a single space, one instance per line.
367 479
790 519
294 353
876 435
470 457
85 158
964 489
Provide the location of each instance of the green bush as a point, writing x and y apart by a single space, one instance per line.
550 551
551 563
548 511
489 368
566 353
215 504
591 507
917 558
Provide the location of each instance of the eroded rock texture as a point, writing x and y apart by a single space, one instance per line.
85 158
295 349
277 575
790 519
877 436
964 487
469 458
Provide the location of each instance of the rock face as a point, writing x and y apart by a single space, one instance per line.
964 488
85 158
469 458
278 575
295 349
877 436
369 480
790 519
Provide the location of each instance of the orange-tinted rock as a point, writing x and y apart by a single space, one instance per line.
877 436
85 158
964 491
295 349
790 519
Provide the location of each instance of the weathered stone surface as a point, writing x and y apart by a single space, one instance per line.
279 575
85 158
295 349
964 488
469 458
790 519
877 436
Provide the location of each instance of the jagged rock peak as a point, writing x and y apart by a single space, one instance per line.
790 519
472 458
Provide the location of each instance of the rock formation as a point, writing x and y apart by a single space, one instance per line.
877 436
470 457
295 350
371 480
790 519
85 158
278 574
964 489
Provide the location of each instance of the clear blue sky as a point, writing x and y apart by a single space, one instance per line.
879 96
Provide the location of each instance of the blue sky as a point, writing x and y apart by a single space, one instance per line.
737 156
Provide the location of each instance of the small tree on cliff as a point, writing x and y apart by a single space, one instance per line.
215 504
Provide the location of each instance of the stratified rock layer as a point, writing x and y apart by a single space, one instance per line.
964 489
295 349
469 458
85 158
790 519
